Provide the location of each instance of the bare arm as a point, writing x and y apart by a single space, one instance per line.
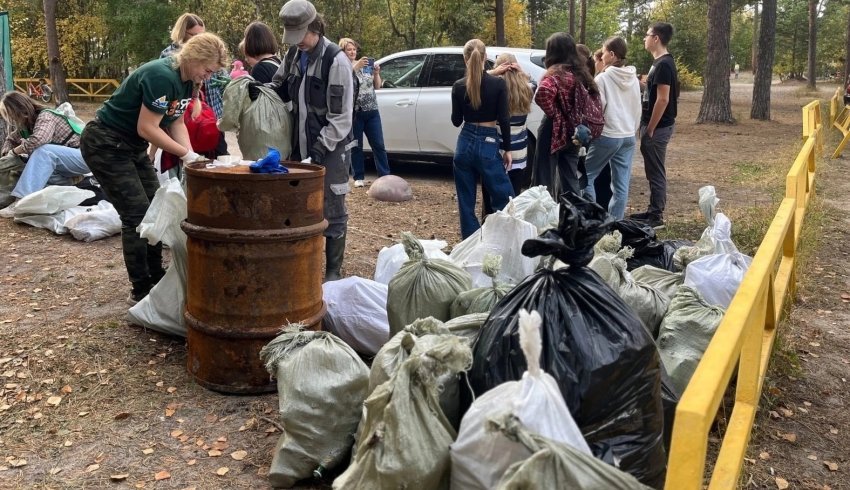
148 128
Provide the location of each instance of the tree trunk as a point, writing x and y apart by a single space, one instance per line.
754 50
57 71
582 22
794 39
500 23
2 93
572 30
716 105
847 52
813 40
764 72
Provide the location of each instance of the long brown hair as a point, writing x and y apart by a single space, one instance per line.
474 54
561 55
519 93
19 111
184 23
618 46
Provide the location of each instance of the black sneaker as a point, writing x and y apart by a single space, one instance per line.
655 221
640 216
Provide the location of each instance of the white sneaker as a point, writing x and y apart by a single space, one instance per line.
8 211
359 183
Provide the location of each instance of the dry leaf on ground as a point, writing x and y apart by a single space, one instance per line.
222 471
781 483
162 475
238 455
831 465
119 477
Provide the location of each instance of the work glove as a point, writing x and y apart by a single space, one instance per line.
254 90
191 157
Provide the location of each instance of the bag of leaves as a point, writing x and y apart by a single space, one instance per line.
503 234
467 326
557 465
259 124
715 239
321 384
664 281
11 168
685 334
418 337
536 206
649 304
480 456
482 300
594 345
403 438
423 287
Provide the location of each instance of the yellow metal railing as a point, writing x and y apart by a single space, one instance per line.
78 87
745 337
836 103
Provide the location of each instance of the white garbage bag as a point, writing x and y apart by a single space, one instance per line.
536 206
718 276
390 259
51 200
503 234
357 313
162 308
481 456
99 222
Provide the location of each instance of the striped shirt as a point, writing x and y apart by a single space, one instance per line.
49 129
519 141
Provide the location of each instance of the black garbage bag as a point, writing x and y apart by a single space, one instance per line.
649 250
605 362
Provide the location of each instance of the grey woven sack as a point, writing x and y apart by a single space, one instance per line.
321 385
423 287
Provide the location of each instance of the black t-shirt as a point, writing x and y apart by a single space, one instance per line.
264 70
663 72
494 105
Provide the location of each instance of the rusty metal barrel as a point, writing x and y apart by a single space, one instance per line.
255 257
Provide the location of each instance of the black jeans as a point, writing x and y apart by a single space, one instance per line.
125 173
654 151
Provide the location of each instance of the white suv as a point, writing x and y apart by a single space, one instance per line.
416 104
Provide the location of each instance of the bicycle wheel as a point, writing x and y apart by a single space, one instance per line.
46 96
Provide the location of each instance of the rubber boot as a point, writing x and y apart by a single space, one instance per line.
334 252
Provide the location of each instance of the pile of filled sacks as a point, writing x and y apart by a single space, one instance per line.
547 350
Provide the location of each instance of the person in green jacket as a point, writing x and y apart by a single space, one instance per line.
147 107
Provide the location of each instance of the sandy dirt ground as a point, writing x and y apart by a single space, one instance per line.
89 401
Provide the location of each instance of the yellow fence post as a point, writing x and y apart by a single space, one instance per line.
745 336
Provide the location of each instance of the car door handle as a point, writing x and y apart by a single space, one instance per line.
404 103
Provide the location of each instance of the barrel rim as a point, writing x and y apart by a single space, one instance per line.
228 332
315 171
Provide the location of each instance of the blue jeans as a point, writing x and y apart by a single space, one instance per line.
369 122
50 164
477 154
619 152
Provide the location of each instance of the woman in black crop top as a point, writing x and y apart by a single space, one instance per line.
479 101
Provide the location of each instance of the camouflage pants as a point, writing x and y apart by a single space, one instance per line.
129 180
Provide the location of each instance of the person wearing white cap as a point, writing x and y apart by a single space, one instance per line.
316 77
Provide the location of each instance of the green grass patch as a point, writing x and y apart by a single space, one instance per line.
745 172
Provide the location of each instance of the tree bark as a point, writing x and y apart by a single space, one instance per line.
572 26
847 52
582 22
57 71
2 93
716 105
754 50
500 23
813 40
764 73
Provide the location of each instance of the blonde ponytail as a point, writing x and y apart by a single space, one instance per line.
474 55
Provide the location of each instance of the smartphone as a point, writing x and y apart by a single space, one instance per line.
370 63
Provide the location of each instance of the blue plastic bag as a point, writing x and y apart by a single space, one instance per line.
269 164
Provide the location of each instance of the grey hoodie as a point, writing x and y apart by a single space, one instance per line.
620 92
